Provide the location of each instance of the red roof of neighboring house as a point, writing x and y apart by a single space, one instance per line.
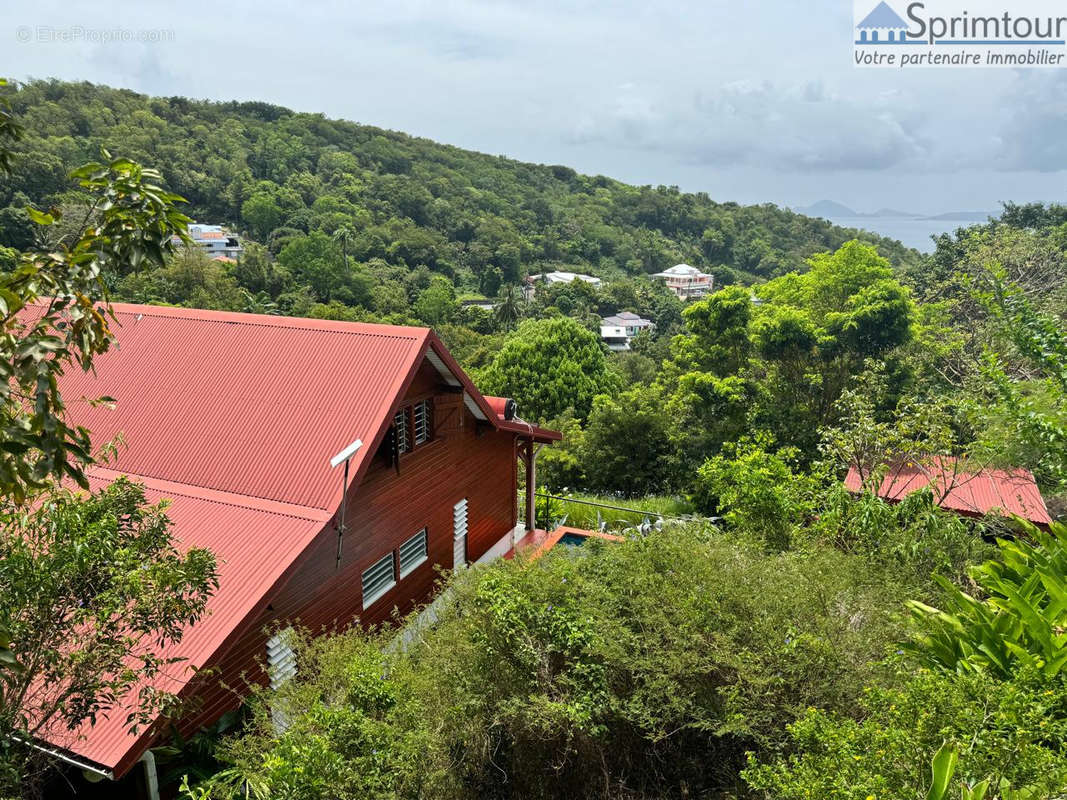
235 417
1009 492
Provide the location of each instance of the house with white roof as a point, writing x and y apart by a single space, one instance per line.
619 329
216 241
529 289
686 282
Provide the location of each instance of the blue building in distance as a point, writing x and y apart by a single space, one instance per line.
883 18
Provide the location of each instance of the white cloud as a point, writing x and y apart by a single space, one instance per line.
801 128
753 100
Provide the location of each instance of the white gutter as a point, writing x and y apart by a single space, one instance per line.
82 765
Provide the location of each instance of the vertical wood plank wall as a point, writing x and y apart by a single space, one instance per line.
464 460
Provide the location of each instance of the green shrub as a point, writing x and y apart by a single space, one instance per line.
757 490
1011 731
914 536
1020 620
641 668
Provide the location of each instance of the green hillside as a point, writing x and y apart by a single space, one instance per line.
483 221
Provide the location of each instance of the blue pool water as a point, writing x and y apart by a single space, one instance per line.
572 539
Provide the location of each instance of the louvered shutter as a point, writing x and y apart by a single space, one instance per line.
281 660
459 533
378 579
413 552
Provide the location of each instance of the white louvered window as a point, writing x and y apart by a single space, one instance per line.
423 424
400 423
281 660
378 579
459 534
413 552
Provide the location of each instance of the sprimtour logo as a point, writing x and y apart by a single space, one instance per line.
960 33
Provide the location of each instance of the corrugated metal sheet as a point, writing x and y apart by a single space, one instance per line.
243 403
235 418
1009 492
254 543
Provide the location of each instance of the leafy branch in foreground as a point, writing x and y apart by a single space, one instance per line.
53 313
91 587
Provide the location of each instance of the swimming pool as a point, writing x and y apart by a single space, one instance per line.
573 539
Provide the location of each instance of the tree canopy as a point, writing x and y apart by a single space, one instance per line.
548 366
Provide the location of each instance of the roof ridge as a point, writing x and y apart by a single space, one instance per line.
378 329
220 496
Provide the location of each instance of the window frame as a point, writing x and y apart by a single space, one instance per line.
410 440
404 571
382 591
426 404
403 437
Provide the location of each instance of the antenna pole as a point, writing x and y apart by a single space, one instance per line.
341 526
344 456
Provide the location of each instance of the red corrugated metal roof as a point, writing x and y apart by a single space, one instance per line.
1009 492
244 403
235 418
254 542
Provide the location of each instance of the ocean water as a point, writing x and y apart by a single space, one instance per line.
911 232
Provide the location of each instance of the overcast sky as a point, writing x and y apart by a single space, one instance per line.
749 100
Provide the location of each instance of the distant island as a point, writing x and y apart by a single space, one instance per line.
828 209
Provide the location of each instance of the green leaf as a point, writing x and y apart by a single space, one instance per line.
40 217
942 768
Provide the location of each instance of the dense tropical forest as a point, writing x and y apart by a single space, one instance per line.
773 636
287 179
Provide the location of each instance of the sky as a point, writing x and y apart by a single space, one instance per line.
752 101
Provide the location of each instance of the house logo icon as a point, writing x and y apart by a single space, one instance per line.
882 26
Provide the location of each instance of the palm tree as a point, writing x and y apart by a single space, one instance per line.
342 235
259 303
508 310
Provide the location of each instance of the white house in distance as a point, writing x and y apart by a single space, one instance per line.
529 289
617 330
686 282
483 303
216 241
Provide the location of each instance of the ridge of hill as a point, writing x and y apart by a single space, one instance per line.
276 175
